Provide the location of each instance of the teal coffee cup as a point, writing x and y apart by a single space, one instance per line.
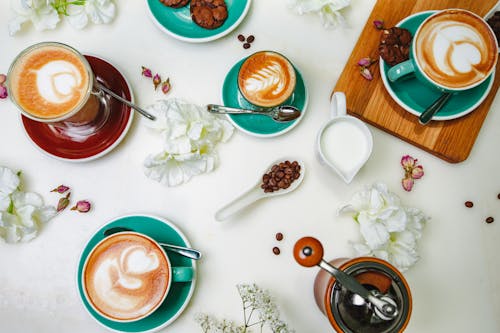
453 50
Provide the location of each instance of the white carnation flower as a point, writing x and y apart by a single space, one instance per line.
328 10
9 182
189 137
98 11
39 12
390 230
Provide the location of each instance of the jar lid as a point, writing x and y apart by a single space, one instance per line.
353 314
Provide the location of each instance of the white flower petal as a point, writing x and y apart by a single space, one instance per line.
77 17
9 182
100 11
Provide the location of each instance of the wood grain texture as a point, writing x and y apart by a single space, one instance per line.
450 140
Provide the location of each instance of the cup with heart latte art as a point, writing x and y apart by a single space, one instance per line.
453 50
267 79
128 275
53 83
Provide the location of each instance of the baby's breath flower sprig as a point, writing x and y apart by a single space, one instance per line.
256 302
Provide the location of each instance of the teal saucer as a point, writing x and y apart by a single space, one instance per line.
254 124
415 97
177 22
180 293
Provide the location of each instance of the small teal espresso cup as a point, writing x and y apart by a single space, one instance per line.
453 50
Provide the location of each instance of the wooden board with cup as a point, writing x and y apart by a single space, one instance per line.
450 140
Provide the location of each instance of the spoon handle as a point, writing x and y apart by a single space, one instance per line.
128 103
184 251
213 108
434 108
239 203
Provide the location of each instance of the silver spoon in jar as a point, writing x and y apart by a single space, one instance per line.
183 251
256 193
282 113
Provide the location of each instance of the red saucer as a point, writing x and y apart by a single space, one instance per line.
107 137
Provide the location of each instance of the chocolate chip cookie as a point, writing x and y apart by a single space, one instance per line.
394 45
175 3
209 14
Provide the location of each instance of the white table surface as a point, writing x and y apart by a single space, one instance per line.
455 285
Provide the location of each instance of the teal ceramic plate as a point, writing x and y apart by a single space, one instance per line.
415 97
254 124
177 21
180 293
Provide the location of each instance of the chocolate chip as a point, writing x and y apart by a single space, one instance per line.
490 220
276 250
279 236
250 39
469 204
246 45
241 38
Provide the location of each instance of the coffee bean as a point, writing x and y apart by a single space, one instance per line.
250 39
280 176
246 46
498 196
241 38
276 250
469 204
490 220
279 236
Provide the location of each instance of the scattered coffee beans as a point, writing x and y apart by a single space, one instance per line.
469 204
280 176
246 41
494 23
490 220
276 250
279 236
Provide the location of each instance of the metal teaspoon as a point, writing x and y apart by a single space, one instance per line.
281 113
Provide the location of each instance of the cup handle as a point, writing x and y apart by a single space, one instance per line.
402 69
182 274
338 105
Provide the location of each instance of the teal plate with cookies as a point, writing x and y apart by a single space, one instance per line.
255 124
180 292
415 97
177 22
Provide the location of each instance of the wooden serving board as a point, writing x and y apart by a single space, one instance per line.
450 140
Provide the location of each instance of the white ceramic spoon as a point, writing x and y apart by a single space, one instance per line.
256 192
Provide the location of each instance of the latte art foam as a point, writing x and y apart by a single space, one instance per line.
49 81
456 49
126 277
266 79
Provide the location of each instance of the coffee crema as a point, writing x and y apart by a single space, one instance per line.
126 277
456 49
49 81
266 79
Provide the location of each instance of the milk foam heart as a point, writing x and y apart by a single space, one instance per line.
126 276
57 80
456 49
266 79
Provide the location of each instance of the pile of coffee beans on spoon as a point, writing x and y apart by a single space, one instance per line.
280 176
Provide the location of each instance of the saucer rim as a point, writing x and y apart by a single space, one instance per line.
275 134
414 112
223 33
193 263
109 148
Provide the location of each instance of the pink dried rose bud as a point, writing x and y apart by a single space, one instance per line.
156 80
3 92
407 183
60 189
408 162
417 172
379 24
365 62
82 206
146 72
165 86
365 72
3 78
63 202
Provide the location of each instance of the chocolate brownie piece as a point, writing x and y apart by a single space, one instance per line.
175 3
394 45
209 14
